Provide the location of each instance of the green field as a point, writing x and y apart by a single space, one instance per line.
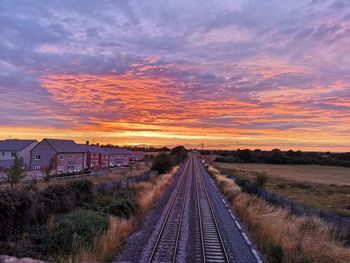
324 187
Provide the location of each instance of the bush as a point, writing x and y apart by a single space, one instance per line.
274 253
120 204
20 210
110 205
16 212
179 153
63 198
163 163
79 227
260 180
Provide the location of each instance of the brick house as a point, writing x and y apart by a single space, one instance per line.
69 157
136 155
10 148
96 157
118 157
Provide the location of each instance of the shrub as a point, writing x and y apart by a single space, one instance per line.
57 199
63 198
120 204
179 153
82 191
20 210
274 253
110 205
260 180
16 171
16 212
163 163
78 228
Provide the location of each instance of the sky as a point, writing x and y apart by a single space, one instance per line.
231 74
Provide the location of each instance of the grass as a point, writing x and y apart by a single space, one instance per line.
113 174
333 197
289 239
67 223
301 173
106 245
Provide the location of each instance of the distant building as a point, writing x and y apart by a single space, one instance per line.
118 157
96 157
10 148
69 157
136 155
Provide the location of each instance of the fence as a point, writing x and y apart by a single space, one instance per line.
124 183
341 223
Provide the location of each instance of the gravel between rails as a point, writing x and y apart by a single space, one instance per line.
236 240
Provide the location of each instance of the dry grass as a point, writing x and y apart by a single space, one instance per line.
333 198
301 239
302 173
119 229
104 246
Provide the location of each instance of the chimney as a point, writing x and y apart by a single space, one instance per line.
87 142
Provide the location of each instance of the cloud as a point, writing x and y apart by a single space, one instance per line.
267 70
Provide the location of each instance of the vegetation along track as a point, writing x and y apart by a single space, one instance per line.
196 226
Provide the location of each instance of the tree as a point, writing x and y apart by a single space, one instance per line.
163 163
48 169
179 153
148 159
16 171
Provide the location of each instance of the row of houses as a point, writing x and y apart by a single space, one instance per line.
66 156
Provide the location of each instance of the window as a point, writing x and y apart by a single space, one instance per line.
37 157
60 169
13 154
79 156
37 167
71 156
3 153
61 156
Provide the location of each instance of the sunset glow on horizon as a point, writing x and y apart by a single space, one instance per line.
230 74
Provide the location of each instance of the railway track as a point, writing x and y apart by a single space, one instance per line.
166 246
213 247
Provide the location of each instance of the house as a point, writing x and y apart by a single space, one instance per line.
12 147
118 157
96 157
136 155
68 157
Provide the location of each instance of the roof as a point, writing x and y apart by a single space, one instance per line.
136 152
65 146
120 151
94 149
15 145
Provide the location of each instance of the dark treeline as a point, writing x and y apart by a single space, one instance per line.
136 148
277 156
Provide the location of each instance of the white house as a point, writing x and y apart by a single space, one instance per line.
10 148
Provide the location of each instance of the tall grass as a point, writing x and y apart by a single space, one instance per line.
282 237
119 229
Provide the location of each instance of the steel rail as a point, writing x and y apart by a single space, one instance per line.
166 219
200 177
